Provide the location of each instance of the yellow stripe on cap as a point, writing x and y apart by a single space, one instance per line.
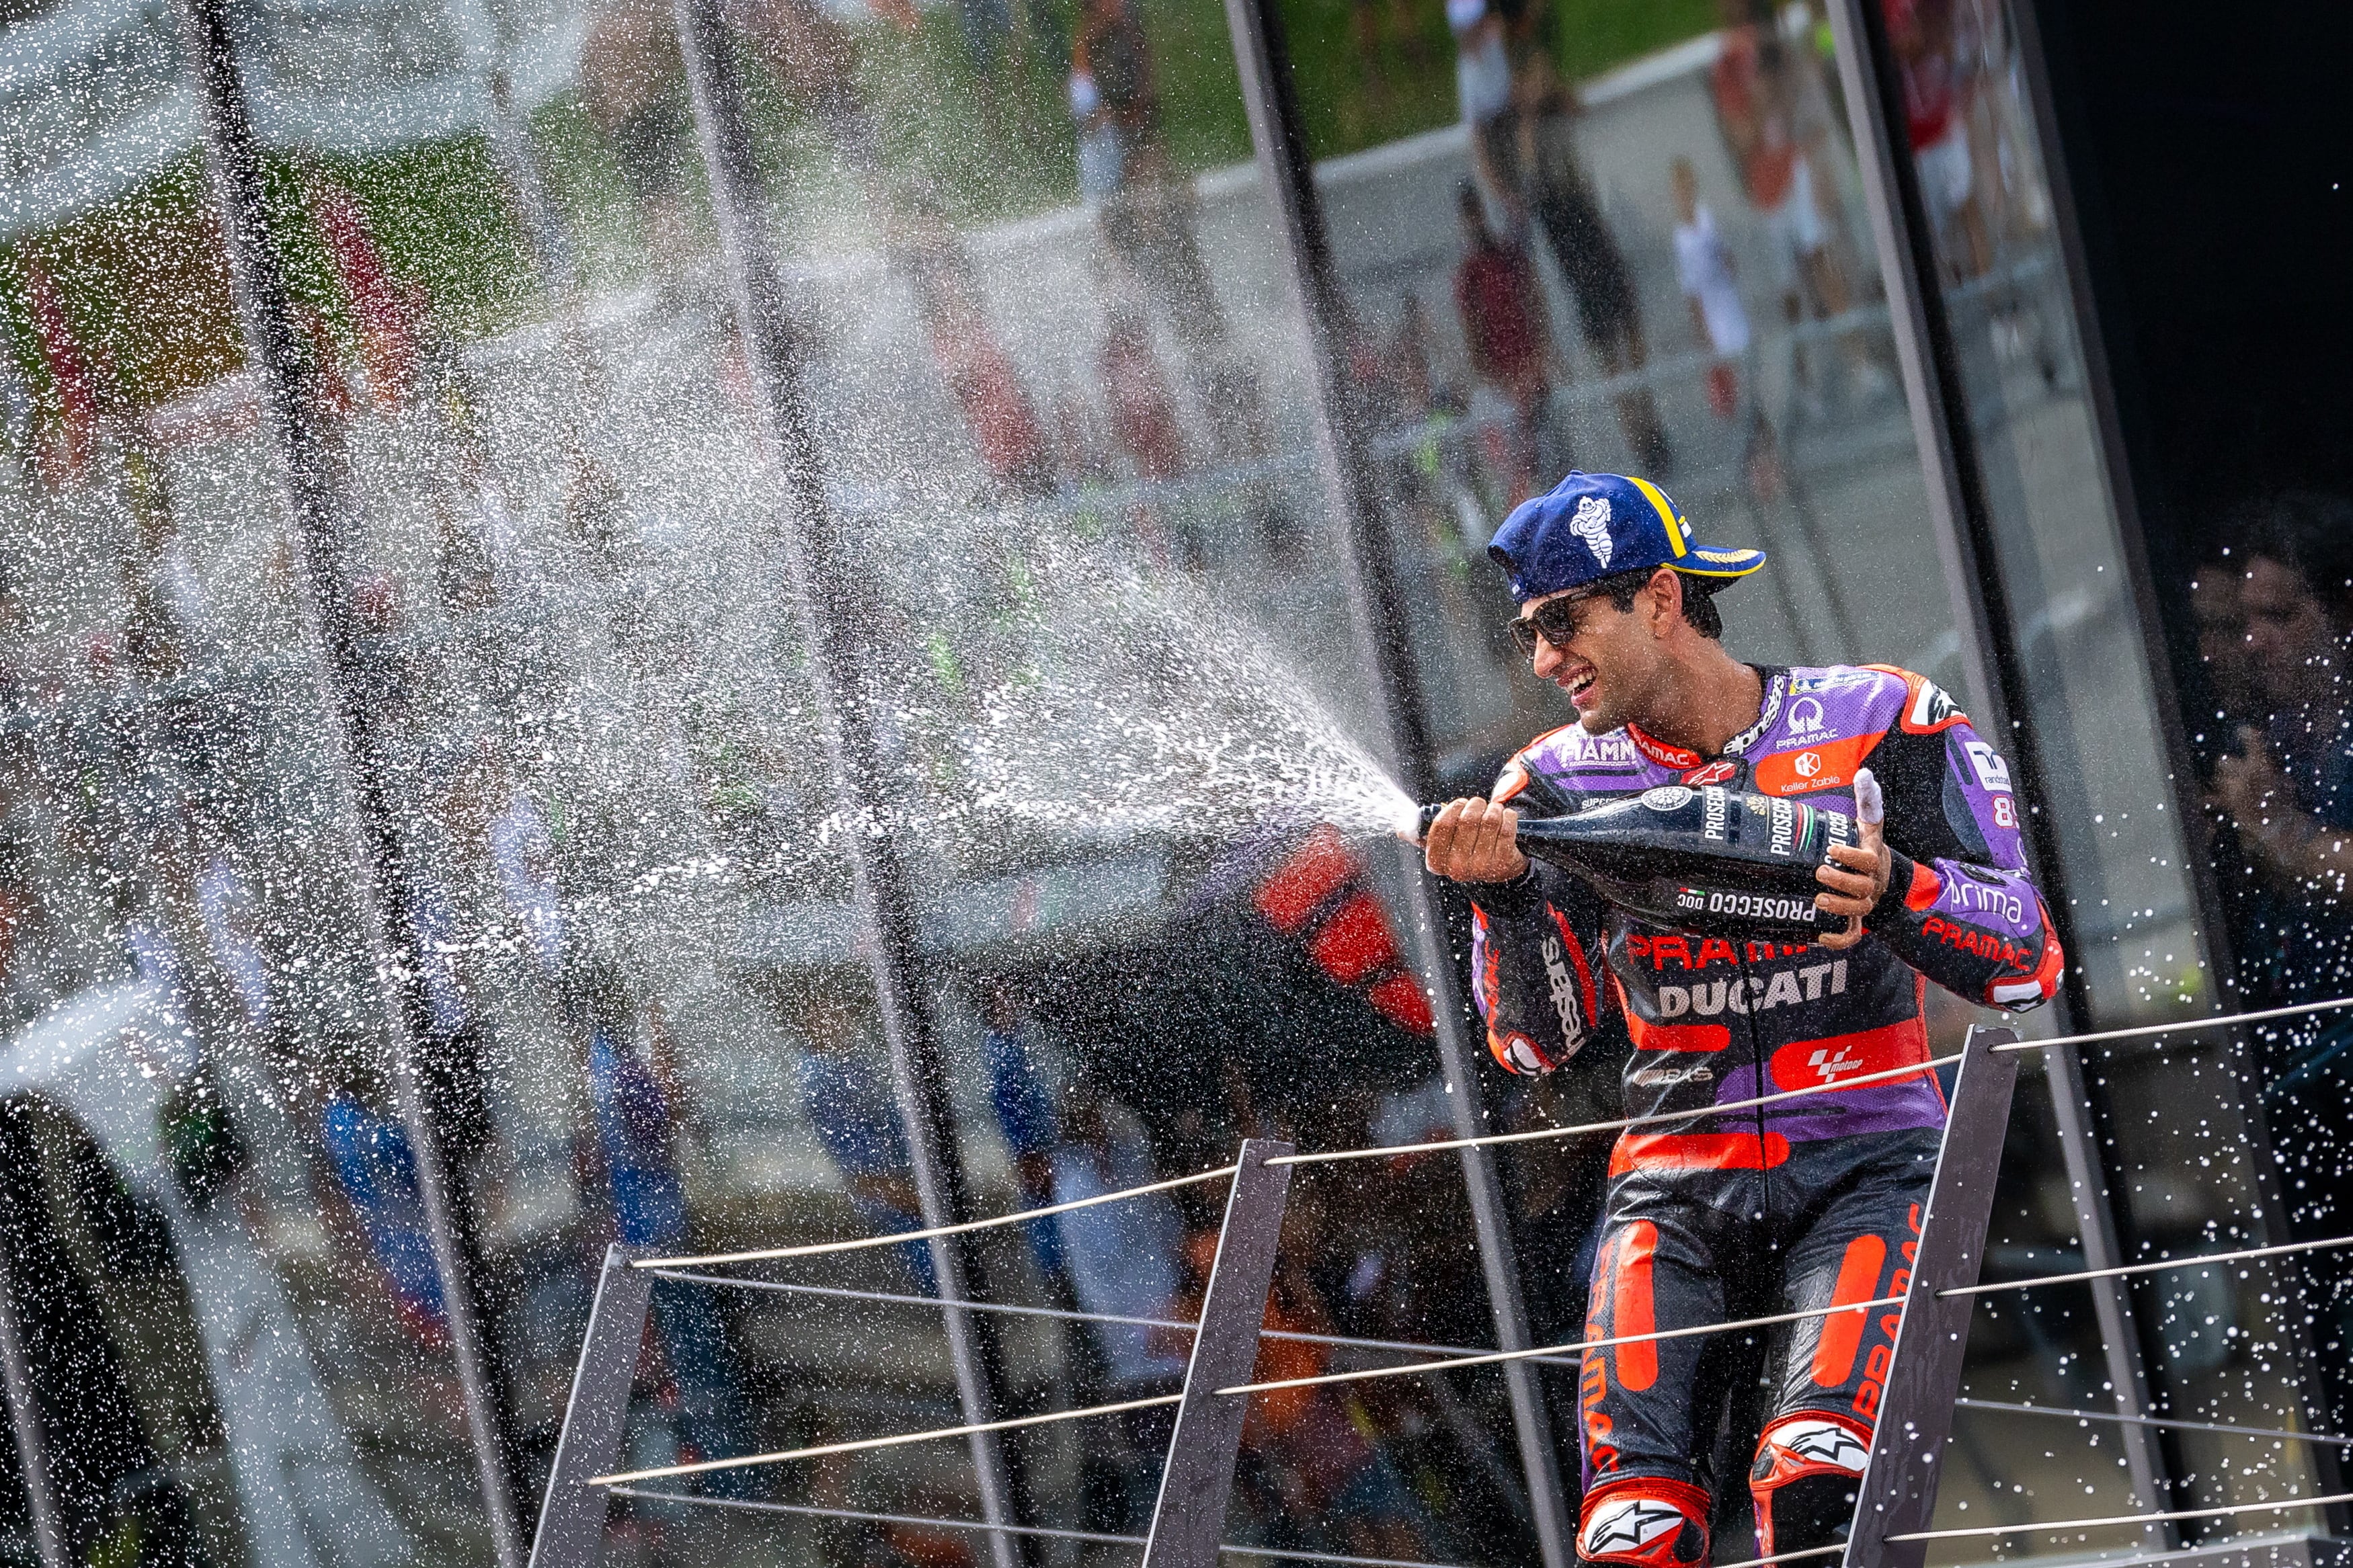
1727 563
1666 513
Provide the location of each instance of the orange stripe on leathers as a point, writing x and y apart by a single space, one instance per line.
1697 1152
1633 1313
1858 1280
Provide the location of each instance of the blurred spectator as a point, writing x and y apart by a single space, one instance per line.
632 1089
1560 192
1768 107
633 84
847 1097
77 377
1936 115
1482 89
1705 269
2284 859
1150 218
1126 1260
972 361
1102 155
1143 410
2289 790
1019 1094
1413 386
1505 330
2218 605
389 312
1310 1461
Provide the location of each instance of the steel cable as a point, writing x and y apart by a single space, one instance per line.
1091 1537
2187 1025
897 1439
2153 1266
1491 1358
2058 1525
821 1248
1064 1314
2172 1422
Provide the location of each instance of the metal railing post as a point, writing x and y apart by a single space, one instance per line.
816 557
356 758
24 1411
1188 1522
1378 616
1898 1491
571 1531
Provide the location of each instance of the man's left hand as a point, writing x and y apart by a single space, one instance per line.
1855 875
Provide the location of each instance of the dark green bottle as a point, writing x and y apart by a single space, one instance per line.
1714 860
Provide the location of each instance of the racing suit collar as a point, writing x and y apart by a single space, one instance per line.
1776 682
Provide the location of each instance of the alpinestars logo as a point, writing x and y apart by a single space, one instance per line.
1823 1443
1629 1526
1591 524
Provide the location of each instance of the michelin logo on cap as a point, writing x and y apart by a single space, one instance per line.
1592 525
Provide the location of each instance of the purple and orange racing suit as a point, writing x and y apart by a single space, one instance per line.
1801 1204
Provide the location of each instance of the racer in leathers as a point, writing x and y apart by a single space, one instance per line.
1801 1204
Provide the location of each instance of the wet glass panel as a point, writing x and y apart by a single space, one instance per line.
1057 391
2182 1117
232 1318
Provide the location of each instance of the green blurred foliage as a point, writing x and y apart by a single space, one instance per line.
144 284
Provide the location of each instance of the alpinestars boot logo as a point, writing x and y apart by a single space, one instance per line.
1632 1525
1591 524
1823 1443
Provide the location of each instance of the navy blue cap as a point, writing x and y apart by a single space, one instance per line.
1598 525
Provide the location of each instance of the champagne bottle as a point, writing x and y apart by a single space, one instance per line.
1712 860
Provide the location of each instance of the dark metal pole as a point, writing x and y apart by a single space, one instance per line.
1897 1492
1961 519
357 755
1377 614
2115 459
1197 1484
817 560
24 1415
571 1531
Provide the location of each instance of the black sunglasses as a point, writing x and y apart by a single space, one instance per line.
1557 619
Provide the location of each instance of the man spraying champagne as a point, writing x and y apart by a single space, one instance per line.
1801 1204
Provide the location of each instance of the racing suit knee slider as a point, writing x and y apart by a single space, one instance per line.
1804 1480
1646 1521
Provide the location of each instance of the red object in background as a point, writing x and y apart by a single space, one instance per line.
1400 999
1354 941
1308 879
1317 894
1496 294
387 313
71 371
1722 389
1143 410
1004 425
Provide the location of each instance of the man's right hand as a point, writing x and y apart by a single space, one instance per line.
1474 841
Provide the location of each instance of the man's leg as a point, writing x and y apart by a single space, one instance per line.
1859 1245
1643 1501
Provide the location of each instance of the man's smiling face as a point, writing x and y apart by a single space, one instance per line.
1613 664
